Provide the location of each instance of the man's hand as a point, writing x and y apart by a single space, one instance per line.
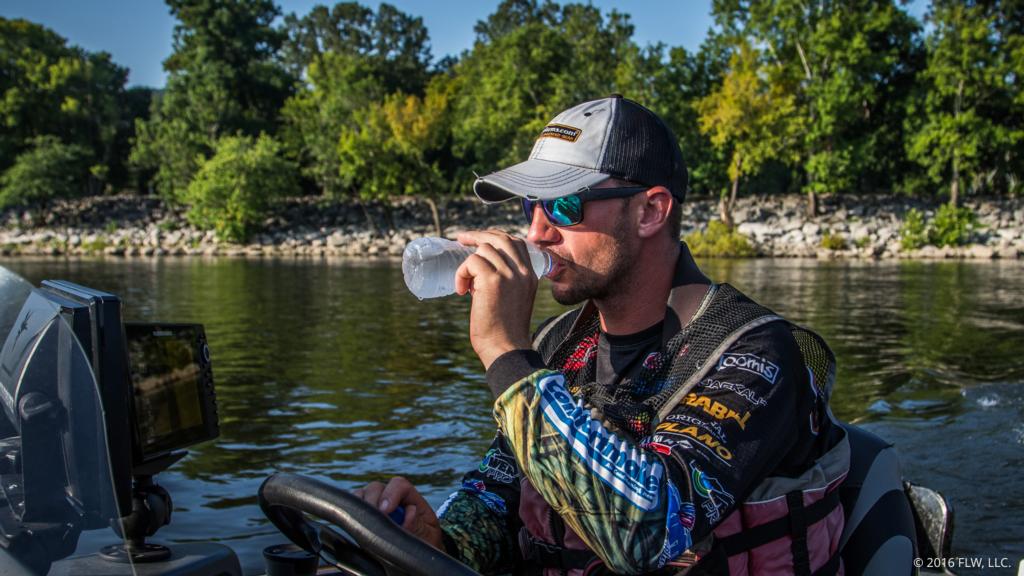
420 520
504 286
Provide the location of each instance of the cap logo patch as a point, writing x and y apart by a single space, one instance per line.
560 131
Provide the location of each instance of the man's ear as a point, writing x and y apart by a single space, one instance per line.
656 206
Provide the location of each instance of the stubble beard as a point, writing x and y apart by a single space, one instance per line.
591 285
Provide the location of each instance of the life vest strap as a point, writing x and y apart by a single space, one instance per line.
780 527
546 555
798 533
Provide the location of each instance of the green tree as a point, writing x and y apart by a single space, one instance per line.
962 131
395 150
394 45
48 169
49 88
233 191
675 85
340 87
531 61
750 119
222 79
840 59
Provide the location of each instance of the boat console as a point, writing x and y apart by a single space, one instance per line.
92 410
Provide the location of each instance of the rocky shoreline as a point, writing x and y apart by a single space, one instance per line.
776 226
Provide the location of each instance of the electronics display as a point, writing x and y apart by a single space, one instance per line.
91 409
172 385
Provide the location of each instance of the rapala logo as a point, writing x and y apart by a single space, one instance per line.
560 131
750 363
717 409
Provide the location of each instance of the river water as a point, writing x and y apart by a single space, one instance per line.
333 369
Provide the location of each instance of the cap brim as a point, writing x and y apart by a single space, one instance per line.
536 179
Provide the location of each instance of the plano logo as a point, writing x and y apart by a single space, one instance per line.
750 363
561 131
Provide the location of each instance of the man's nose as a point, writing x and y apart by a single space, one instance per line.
541 231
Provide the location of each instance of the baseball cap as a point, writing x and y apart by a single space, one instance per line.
587 144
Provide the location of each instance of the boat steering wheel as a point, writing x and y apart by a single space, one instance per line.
376 545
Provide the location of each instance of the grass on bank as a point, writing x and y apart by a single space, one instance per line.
719 241
830 241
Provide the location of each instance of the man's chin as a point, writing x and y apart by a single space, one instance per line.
567 296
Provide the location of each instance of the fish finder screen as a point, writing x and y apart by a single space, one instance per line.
168 367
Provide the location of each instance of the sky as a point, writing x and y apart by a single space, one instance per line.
137 33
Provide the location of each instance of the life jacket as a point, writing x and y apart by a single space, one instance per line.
784 526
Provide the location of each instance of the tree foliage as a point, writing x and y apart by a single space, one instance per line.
971 88
531 61
839 59
340 88
392 44
235 188
394 150
222 80
48 88
47 170
821 96
750 119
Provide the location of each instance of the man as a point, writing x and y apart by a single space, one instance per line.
631 430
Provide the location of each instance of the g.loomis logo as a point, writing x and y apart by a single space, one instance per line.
750 363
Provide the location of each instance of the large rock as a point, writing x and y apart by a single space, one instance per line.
980 252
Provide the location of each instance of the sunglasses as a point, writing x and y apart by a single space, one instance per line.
568 210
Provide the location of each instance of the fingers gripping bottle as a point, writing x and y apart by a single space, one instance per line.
429 265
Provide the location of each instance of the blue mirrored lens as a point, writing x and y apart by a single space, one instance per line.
564 211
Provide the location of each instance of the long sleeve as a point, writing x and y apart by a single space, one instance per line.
479 520
639 505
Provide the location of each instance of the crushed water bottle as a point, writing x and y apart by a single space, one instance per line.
429 265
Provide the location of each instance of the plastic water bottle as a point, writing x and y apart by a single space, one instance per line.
429 265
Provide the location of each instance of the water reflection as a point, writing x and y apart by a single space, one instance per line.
333 369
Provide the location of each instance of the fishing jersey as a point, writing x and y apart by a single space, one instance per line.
638 502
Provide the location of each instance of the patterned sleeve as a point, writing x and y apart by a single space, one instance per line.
479 519
642 505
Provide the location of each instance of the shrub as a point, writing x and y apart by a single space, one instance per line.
49 169
718 240
913 232
952 226
830 241
234 190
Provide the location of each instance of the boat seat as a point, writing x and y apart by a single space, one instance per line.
880 535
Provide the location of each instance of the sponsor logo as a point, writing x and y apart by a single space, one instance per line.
709 442
750 363
581 355
618 464
678 523
561 131
687 515
498 466
716 498
652 362
738 389
716 409
663 449
691 420
490 499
